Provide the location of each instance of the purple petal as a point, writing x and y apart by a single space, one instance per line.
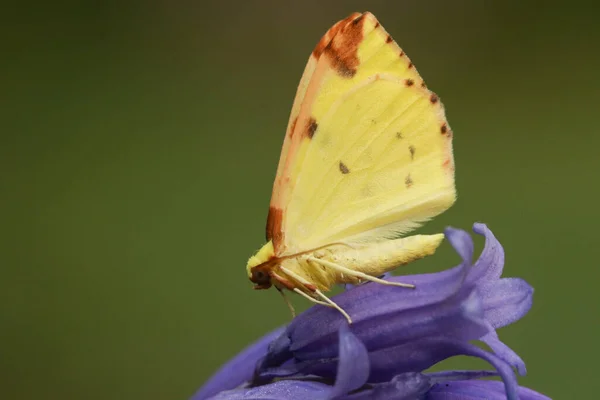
287 389
506 300
473 390
320 324
414 356
458 318
491 261
427 354
353 365
504 352
462 243
279 352
444 376
419 356
237 370
411 385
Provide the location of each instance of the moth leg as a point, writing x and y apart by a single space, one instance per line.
309 286
334 305
287 302
301 293
357 274
300 279
327 301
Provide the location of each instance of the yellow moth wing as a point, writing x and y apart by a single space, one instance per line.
368 151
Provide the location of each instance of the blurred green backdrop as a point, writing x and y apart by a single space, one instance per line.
139 143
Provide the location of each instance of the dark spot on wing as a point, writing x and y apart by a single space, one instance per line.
344 169
312 128
409 82
444 129
408 181
412 150
410 65
399 135
433 99
358 19
388 39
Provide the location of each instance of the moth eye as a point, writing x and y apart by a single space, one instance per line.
259 275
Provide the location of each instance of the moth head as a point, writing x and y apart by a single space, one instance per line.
261 276
259 265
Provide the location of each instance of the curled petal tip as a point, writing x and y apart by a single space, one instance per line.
480 228
353 363
462 243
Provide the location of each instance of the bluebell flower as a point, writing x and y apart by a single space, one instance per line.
395 337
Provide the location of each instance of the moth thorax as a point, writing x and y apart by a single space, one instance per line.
266 253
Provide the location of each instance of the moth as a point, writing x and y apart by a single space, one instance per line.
367 157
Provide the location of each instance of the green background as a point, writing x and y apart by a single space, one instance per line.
139 142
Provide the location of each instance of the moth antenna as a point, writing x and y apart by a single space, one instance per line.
357 274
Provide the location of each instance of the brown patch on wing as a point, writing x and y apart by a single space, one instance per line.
331 33
340 45
274 226
311 128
